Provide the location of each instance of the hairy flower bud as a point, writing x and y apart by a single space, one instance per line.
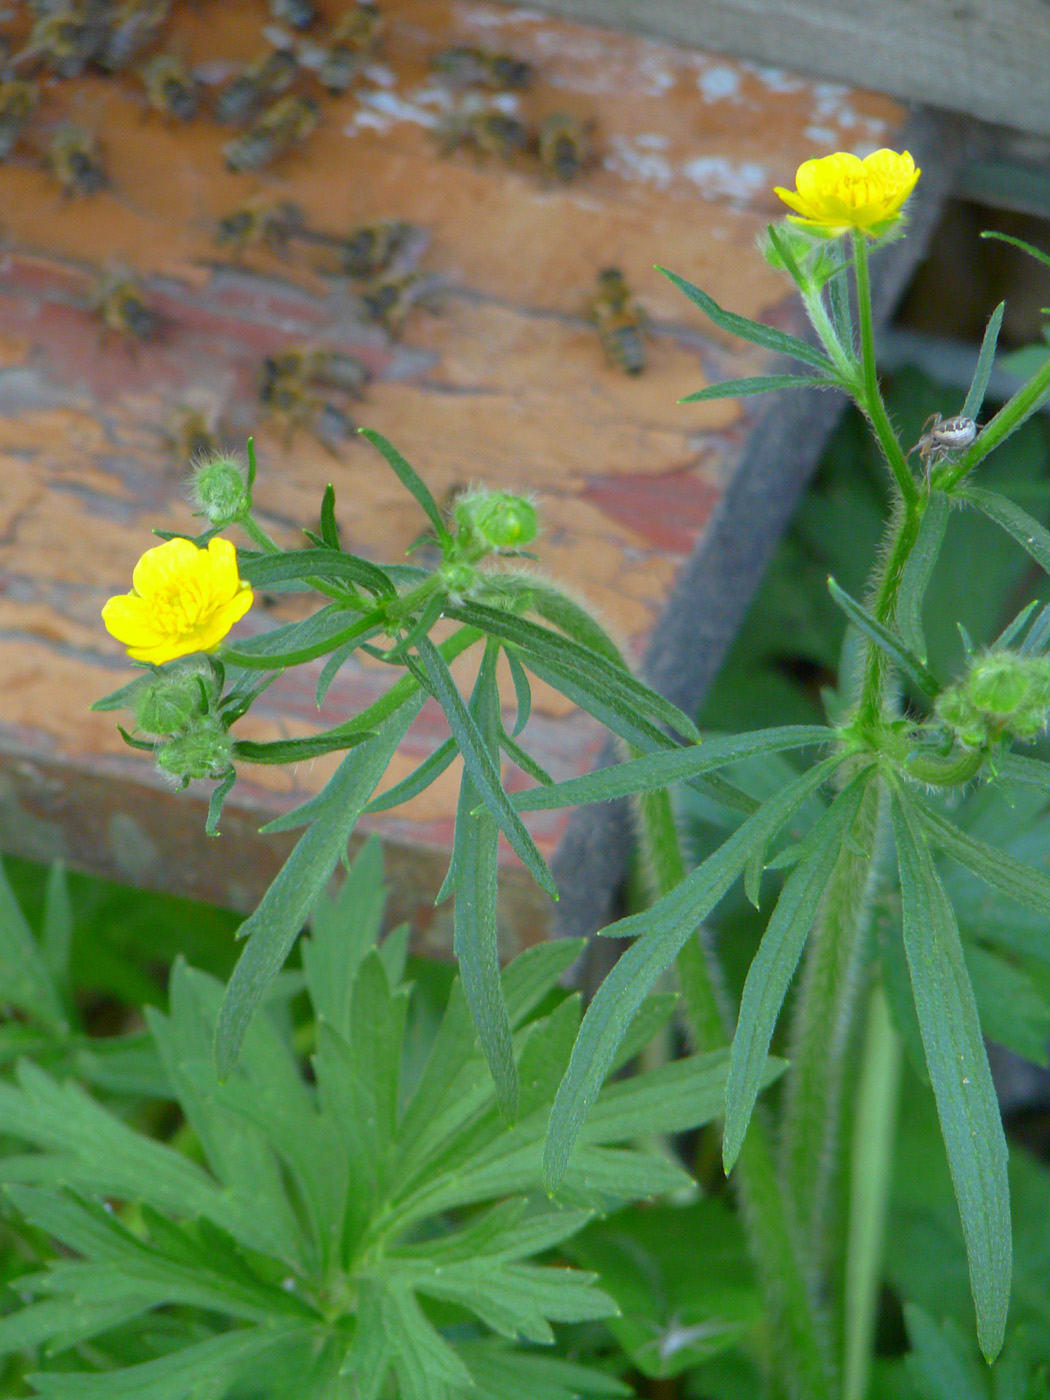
219 488
169 699
202 750
497 519
1004 694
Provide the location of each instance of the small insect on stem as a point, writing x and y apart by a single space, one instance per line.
941 437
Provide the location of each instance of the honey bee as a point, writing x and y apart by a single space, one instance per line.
63 41
170 87
388 299
290 403
272 223
289 121
564 145
332 368
251 90
464 66
485 132
373 249
350 45
120 305
17 102
619 321
192 435
300 14
941 437
129 29
75 159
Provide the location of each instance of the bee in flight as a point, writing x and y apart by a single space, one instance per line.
75 159
564 146
170 87
619 321
486 132
250 91
349 46
466 66
285 124
18 101
269 223
120 304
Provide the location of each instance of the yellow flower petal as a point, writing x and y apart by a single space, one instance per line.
185 599
841 192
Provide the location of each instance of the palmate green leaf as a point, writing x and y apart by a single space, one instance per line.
1014 1011
752 331
63 1322
410 480
275 925
499 1372
883 638
660 932
941 1360
655 771
343 930
979 385
297 642
1025 529
481 766
175 1376
609 679
425 1364
763 384
917 571
775 961
999 869
265 570
959 1073
25 979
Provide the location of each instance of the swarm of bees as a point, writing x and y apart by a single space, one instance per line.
620 322
104 35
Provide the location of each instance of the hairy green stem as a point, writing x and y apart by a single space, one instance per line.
799 1355
870 399
871 1171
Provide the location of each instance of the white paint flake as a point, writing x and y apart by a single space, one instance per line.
718 178
719 84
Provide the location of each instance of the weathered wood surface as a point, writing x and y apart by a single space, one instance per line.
987 58
502 381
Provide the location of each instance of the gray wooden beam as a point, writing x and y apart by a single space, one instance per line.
987 58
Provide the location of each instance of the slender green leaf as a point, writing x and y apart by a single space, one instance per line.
918 568
763 384
329 528
530 593
124 698
979 385
1038 634
333 565
655 771
749 330
1015 627
1026 530
1032 252
474 922
417 781
409 479
219 794
997 868
659 932
775 961
331 669
524 760
613 713
894 648
1029 772
275 924
295 750
297 642
959 1074
522 692
482 767
433 610
608 678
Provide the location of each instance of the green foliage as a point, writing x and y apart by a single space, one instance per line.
333 1236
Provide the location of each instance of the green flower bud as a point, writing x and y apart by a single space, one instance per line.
459 579
170 698
1004 694
497 519
203 750
219 488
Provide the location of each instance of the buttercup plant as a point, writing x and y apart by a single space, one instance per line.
881 790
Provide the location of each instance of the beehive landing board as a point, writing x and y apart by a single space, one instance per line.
500 380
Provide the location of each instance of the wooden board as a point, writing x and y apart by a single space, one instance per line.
502 382
987 58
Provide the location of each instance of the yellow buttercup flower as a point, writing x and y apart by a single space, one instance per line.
843 192
184 599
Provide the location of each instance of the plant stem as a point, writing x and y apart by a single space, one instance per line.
257 534
870 399
900 541
874 1128
798 1343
